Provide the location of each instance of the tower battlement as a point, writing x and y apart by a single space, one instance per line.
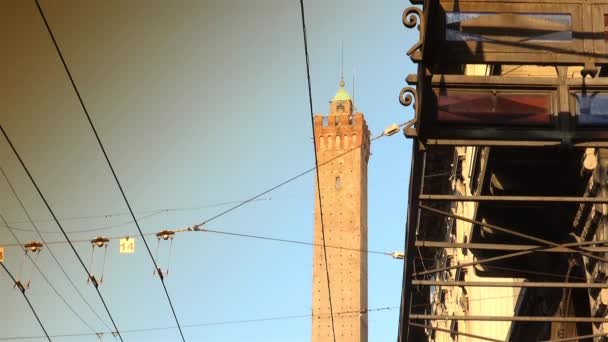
341 132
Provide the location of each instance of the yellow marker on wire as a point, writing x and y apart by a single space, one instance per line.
127 245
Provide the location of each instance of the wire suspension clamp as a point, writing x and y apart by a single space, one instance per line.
98 243
34 247
164 235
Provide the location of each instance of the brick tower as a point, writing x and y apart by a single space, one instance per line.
343 140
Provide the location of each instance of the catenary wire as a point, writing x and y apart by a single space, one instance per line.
46 203
319 197
46 335
114 174
49 282
239 204
207 324
14 191
145 215
221 232
86 112
285 182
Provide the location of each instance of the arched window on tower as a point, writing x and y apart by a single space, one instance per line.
340 108
338 182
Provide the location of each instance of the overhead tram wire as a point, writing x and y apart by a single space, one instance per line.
239 204
233 234
331 310
285 182
46 334
10 184
145 215
209 324
65 235
103 150
222 213
46 279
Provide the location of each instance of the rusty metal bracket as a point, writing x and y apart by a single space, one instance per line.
409 130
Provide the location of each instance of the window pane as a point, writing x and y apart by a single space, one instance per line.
605 26
520 27
485 107
592 108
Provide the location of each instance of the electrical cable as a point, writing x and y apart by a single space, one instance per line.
331 310
49 282
86 112
46 335
14 191
61 228
145 215
220 232
239 204
299 175
207 324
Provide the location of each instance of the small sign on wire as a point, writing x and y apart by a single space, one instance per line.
1 254
127 245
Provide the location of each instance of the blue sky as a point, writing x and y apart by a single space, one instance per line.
197 102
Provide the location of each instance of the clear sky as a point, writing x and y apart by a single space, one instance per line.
198 103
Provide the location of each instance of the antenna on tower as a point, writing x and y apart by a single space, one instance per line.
354 105
342 64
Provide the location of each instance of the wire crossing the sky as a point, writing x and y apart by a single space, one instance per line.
46 203
331 310
198 227
103 150
209 324
46 335
145 215
52 255
223 232
49 282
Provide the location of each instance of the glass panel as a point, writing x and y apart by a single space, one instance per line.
484 107
519 27
592 108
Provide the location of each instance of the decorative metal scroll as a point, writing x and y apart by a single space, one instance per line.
410 18
407 96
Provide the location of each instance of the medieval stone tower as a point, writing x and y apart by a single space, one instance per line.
343 152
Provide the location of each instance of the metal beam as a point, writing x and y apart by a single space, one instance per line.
507 247
510 318
490 198
577 338
515 233
513 82
576 285
485 142
509 143
455 332
473 263
412 222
